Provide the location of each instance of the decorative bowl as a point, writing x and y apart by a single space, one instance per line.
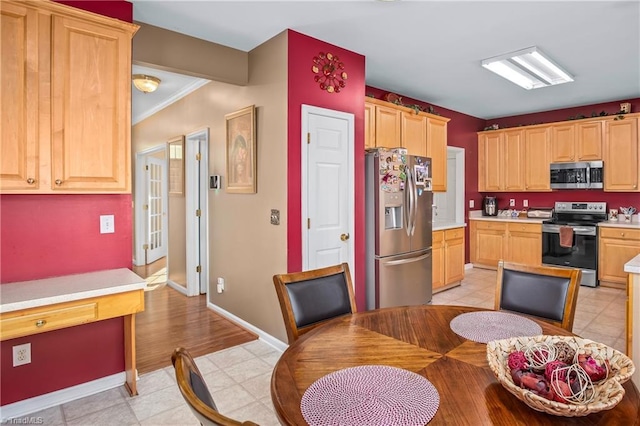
608 392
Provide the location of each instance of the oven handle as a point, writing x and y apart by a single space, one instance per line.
555 229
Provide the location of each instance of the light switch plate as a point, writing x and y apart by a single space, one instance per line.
472 204
275 217
107 224
512 202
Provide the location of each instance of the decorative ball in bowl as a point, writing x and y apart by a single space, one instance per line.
560 375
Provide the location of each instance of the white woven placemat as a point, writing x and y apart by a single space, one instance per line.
372 395
485 326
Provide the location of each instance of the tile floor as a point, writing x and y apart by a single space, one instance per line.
239 377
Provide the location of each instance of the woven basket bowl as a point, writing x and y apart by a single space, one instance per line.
609 392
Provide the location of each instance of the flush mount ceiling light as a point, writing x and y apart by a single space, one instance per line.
528 68
145 83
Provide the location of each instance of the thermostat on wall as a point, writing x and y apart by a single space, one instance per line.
215 182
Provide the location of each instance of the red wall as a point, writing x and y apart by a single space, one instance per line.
53 235
302 89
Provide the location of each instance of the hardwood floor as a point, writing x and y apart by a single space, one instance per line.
171 319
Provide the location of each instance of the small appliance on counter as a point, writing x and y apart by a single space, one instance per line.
489 206
540 212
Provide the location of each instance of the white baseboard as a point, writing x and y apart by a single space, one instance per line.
62 396
468 266
267 338
177 287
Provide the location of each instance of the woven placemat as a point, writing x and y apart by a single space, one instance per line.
370 395
485 326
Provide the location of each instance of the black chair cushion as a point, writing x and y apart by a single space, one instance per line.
534 294
200 389
318 299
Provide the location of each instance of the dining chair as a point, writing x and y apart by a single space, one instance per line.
546 292
310 298
194 390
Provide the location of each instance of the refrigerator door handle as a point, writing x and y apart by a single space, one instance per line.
411 206
407 204
410 260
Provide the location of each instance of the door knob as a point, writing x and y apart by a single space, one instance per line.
344 237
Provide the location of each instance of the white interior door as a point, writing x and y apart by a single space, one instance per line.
328 187
196 175
156 209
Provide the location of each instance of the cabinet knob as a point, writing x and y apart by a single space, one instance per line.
40 323
622 234
58 182
31 181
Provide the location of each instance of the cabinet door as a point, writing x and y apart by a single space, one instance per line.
612 255
490 246
19 85
414 133
514 160
563 142
589 141
454 256
369 125
438 260
620 155
537 159
387 127
437 150
91 92
490 151
524 247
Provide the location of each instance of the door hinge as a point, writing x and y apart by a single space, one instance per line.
308 223
145 247
145 207
146 167
198 269
198 157
308 138
198 213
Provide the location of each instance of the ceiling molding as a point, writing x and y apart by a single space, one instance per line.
195 85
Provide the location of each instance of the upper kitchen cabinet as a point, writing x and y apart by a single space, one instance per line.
537 159
73 106
389 125
501 161
576 141
620 155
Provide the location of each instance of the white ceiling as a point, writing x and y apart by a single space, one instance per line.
431 50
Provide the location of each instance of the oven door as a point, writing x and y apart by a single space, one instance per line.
582 254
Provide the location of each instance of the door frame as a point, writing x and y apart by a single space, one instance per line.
139 200
304 156
197 177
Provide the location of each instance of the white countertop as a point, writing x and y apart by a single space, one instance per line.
618 224
477 215
447 225
633 266
48 291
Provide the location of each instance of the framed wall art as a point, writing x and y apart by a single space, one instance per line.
176 166
241 151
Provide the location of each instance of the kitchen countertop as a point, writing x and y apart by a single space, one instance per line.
633 266
49 291
477 215
443 226
617 224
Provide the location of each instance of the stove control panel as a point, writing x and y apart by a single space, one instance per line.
581 207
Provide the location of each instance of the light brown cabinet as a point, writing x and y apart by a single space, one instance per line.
537 159
621 155
448 258
616 246
510 241
72 105
501 165
390 126
576 141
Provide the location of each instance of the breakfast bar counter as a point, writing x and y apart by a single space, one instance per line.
39 306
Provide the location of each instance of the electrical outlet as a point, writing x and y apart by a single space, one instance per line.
512 202
471 204
525 203
22 354
107 224
220 287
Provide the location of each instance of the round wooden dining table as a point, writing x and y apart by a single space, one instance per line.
419 339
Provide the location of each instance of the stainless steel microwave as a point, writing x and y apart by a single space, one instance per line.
580 175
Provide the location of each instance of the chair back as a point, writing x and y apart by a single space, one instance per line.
195 392
310 298
546 292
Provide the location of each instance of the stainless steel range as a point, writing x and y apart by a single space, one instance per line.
570 238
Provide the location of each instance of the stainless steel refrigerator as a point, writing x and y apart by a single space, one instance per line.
399 201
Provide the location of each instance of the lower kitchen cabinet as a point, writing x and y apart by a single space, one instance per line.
448 258
616 246
510 241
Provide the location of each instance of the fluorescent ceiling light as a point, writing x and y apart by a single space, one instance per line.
528 68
